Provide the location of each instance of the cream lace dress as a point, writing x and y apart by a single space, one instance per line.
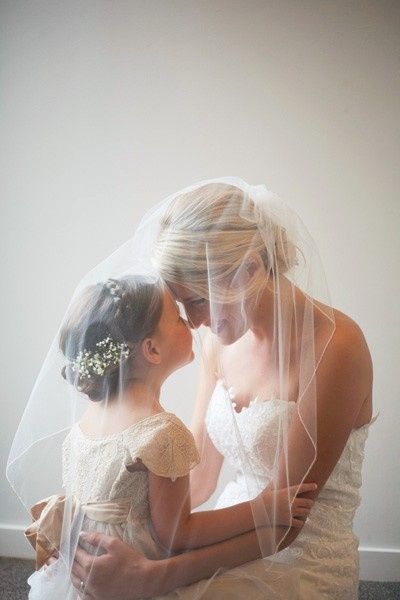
118 503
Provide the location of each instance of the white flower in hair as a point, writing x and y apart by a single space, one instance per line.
114 289
110 353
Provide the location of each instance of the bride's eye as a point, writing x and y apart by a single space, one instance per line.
197 302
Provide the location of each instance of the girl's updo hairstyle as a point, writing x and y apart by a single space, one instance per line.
209 231
123 311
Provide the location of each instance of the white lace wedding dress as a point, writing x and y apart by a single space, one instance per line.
326 548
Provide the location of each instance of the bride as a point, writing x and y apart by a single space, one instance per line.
285 396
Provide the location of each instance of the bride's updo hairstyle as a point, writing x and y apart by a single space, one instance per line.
103 330
210 230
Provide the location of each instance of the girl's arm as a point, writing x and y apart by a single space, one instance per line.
204 476
178 529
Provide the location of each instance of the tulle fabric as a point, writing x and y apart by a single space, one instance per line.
232 245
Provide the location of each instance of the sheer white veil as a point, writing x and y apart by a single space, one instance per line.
237 248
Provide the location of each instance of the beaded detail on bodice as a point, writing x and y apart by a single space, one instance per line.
260 426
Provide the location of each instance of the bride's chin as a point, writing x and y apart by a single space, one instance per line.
230 335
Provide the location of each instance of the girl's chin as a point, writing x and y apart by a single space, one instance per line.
188 360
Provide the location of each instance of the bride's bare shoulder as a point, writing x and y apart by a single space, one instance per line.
347 356
348 331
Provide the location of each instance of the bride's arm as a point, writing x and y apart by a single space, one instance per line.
343 383
122 573
202 563
204 477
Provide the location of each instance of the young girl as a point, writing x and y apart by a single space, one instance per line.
126 463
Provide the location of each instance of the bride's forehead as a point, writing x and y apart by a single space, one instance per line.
181 292
169 303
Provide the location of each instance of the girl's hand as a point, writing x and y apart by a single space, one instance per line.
279 510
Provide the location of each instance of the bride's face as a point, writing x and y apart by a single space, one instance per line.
229 321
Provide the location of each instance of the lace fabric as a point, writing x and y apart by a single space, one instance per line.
327 547
161 442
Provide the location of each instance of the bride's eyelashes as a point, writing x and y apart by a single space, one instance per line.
197 302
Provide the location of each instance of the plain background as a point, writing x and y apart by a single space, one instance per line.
108 106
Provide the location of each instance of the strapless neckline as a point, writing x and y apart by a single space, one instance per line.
251 442
230 393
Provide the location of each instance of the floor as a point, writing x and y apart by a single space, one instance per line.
14 573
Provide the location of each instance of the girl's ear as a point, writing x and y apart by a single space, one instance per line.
150 351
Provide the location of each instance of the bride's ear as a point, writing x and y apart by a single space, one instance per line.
250 267
151 351
253 264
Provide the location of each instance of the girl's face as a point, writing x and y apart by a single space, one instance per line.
228 321
174 334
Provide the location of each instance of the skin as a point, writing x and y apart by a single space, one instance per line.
344 402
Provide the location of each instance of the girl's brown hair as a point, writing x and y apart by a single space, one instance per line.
126 310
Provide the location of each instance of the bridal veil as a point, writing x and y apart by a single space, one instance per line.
235 247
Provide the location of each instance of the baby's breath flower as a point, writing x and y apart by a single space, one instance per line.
89 362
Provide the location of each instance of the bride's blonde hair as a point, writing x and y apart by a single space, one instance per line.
210 230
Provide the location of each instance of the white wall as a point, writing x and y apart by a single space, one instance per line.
107 106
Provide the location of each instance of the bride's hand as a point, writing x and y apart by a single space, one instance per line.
118 572
279 510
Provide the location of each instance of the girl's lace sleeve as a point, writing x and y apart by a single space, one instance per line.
164 445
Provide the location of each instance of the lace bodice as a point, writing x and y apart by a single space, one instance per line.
326 544
259 429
